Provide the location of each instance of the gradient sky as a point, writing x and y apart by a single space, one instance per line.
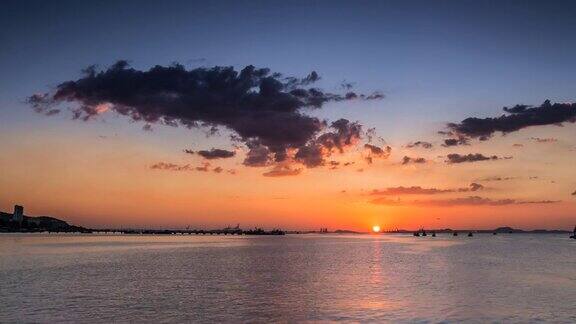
436 62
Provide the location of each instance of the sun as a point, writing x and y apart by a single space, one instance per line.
376 229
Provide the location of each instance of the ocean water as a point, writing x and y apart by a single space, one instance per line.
372 278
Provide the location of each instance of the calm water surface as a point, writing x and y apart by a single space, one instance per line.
97 278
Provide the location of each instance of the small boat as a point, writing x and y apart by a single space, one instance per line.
416 234
574 234
455 234
470 234
433 234
424 233
494 233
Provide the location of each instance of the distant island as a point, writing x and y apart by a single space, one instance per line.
18 222
499 230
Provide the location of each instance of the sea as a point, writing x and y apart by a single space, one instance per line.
96 278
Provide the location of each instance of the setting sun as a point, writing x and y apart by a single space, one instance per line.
376 229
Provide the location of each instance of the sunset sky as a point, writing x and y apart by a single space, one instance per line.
299 114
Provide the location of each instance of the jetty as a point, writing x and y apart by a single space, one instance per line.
225 231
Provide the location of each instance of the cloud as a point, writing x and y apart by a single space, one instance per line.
409 160
574 193
205 167
171 167
311 155
215 154
458 158
417 190
497 178
282 171
518 145
343 135
422 144
259 106
544 140
467 201
258 156
374 152
517 117
456 141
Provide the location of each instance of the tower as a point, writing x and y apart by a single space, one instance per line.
18 215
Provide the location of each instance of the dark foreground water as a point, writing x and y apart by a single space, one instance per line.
93 278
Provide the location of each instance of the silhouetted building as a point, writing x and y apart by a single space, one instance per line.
18 215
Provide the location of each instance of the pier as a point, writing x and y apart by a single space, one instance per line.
235 231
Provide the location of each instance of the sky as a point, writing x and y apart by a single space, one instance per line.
290 114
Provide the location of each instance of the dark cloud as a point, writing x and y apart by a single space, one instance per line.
218 169
458 158
343 134
518 145
282 171
544 140
417 190
456 141
216 154
422 144
574 193
258 156
347 85
311 155
346 134
467 201
517 117
416 160
375 152
259 106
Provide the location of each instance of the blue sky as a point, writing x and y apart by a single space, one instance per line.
435 61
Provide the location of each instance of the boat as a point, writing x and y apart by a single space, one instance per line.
574 234
424 233
470 234
433 234
416 234
455 234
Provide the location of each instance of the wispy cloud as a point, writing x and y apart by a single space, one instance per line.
417 190
467 201
413 160
467 158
